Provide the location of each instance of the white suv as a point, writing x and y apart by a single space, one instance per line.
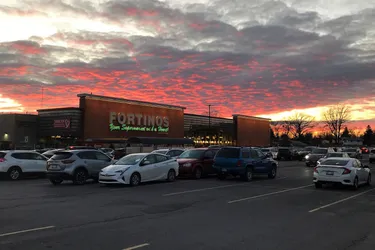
372 155
17 163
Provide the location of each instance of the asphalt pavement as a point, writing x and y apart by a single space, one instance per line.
285 213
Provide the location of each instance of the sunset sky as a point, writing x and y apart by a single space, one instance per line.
253 57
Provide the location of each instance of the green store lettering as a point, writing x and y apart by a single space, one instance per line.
128 128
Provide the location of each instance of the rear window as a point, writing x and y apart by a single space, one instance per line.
2 154
284 150
266 150
320 151
332 162
229 153
61 155
334 155
350 150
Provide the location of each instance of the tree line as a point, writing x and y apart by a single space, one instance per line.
333 126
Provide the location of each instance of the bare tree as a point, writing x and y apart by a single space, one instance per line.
287 127
300 124
335 118
277 127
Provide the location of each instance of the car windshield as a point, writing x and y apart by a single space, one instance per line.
350 150
372 151
308 149
192 154
130 160
334 162
266 150
228 153
319 151
334 155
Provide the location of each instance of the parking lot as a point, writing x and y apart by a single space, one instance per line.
284 213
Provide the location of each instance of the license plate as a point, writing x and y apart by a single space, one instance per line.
54 167
329 173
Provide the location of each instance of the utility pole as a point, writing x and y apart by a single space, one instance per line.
209 115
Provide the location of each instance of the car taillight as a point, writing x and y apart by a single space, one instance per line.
68 161
316 169
239 163
2 160
346 171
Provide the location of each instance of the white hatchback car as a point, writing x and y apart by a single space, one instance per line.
136 168
345 171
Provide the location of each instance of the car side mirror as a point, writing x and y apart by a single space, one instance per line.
145 163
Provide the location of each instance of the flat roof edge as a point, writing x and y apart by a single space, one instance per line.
58 109
129 101
251 117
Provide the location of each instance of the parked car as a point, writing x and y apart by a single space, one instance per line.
136 168
244 162
271 152
353 152
173 153
76 165
335 154
344 171
301 154
16 164
284 153
197 162
315 155
372 156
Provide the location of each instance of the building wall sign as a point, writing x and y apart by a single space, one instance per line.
61 123
138 122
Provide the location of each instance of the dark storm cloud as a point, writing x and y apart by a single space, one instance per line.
263 51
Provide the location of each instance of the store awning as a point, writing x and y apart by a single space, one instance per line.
160 141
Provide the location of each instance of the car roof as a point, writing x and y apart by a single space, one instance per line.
341 158
19 151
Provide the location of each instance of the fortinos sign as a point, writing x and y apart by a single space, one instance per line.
138 122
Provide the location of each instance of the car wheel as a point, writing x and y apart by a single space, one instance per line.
272 174
197 173
318 185
80 177
15 173
249 174
135 179
56 181
368 180
355 183
171 175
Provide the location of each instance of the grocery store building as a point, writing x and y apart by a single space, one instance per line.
102 120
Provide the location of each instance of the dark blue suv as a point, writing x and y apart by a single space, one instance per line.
243 161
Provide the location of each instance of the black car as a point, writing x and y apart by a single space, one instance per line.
284 153
315 155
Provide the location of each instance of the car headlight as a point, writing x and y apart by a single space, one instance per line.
122 171
307 157
186 165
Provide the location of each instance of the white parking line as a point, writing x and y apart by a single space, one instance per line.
339 201
216 187
27 231
204 189
267 194
136 247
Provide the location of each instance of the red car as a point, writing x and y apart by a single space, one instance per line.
197 162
